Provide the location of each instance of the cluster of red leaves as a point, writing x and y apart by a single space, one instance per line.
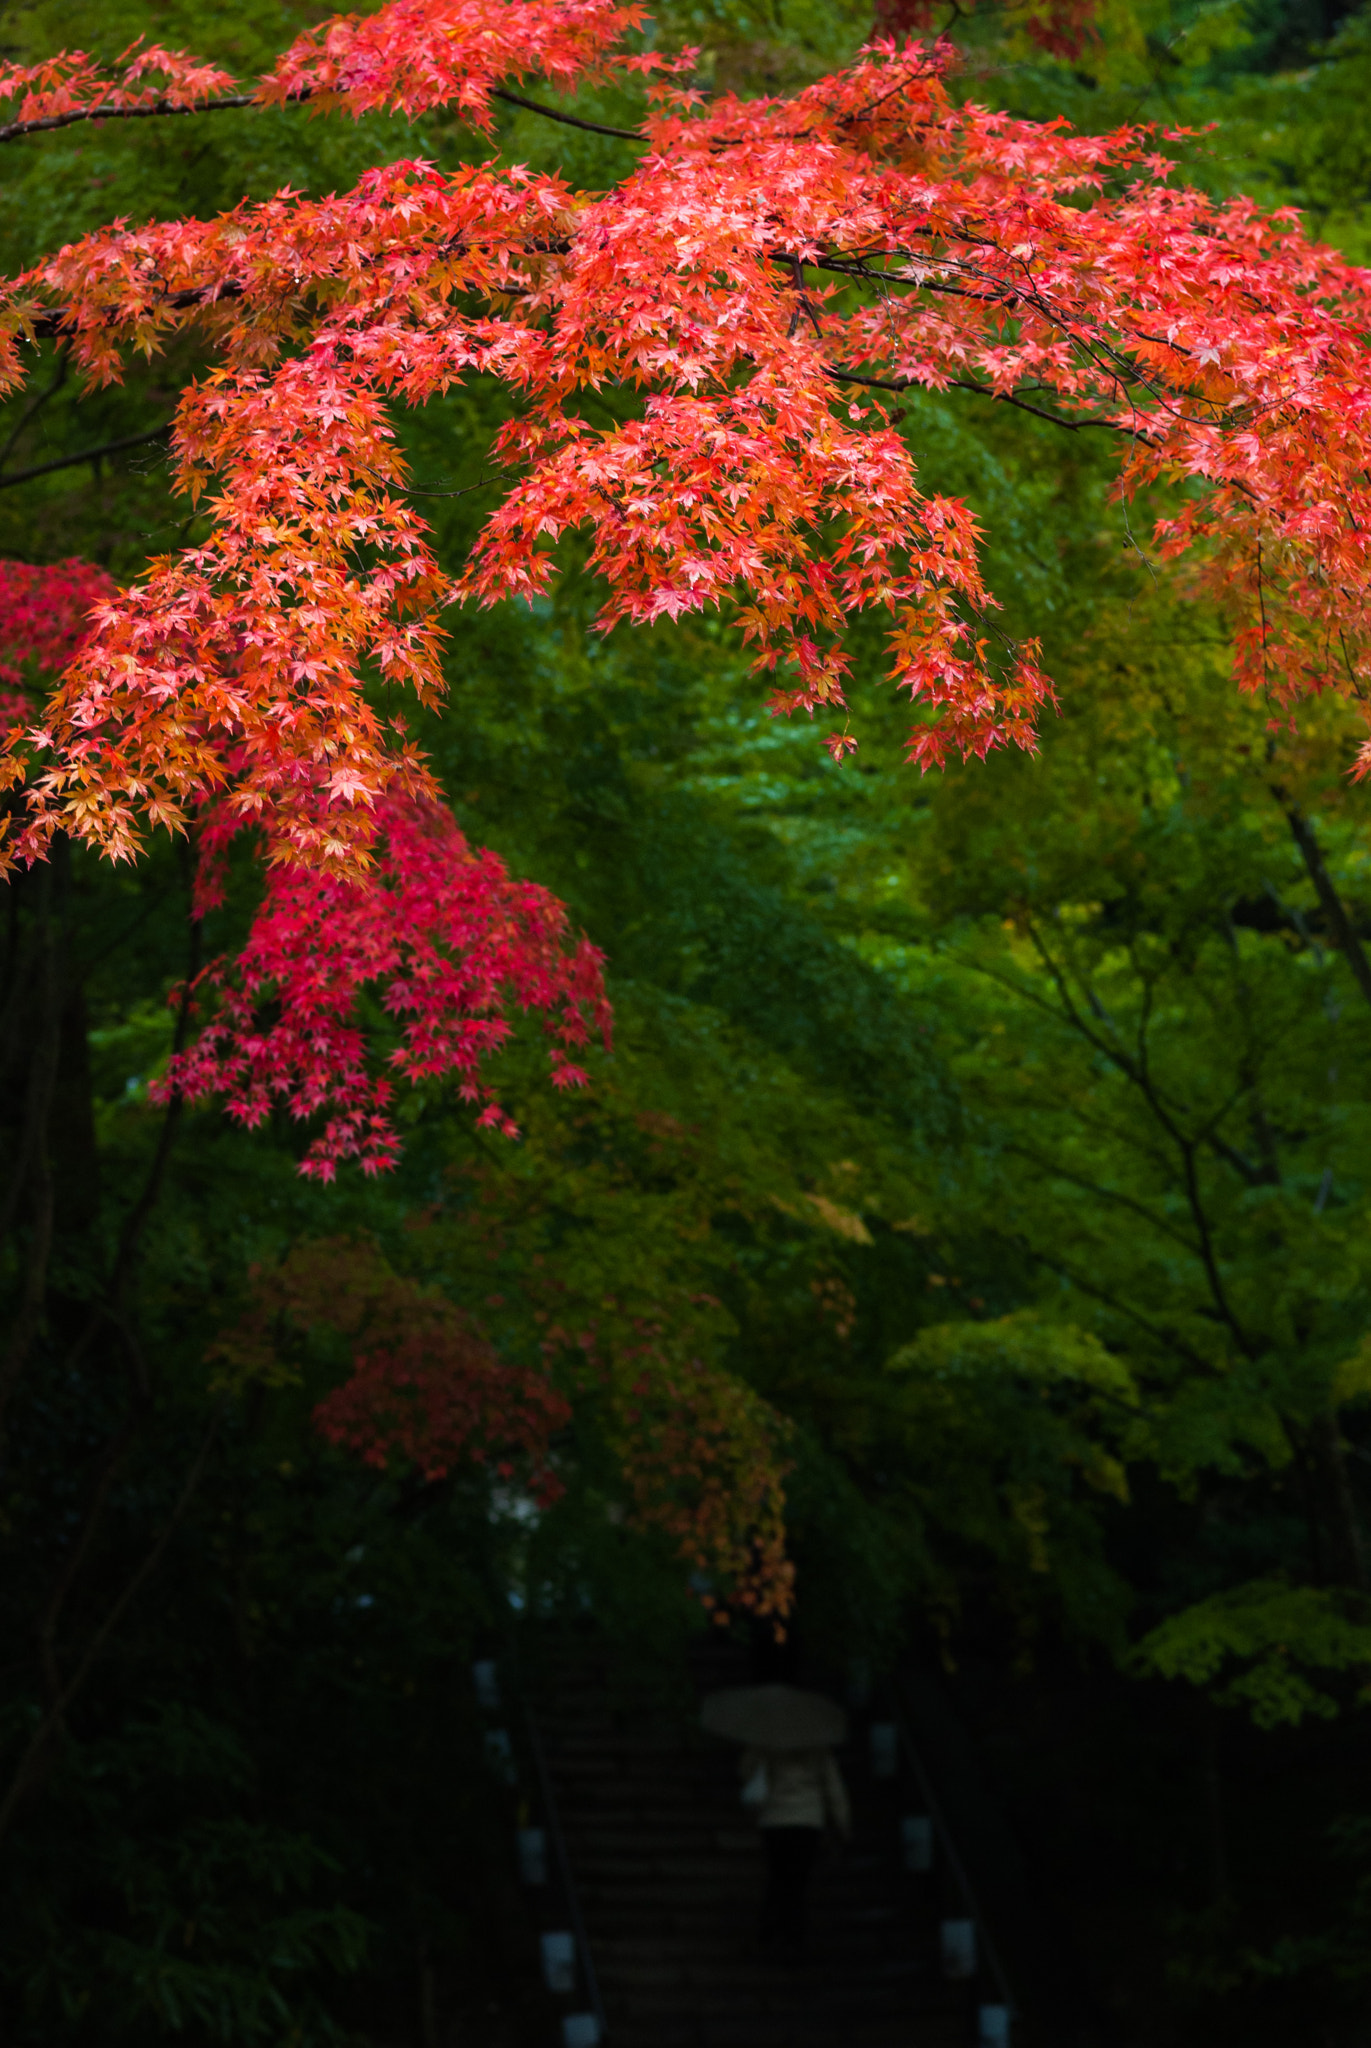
448 941
704 1458
425 1389
44 617
73 85
765 260
416 54
410 55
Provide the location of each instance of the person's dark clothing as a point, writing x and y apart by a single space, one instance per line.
790 1854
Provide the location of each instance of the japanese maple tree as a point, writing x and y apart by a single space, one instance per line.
755 290
763 276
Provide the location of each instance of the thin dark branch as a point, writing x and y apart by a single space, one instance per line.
430 491
1054 1170
23 476
1209 1255
115 1452
982 391
1254 1176
1340 928
1108 1050
34 407
109 1307
228 101
16 129
1168 1339
1186 1146
138 1215
515 99
992 289
56 321
124 933
1067 1013
159 108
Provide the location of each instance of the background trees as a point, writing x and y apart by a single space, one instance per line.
975 1182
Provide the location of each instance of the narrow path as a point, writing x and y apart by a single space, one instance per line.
670 1878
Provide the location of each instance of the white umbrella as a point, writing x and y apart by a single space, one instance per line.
774 1717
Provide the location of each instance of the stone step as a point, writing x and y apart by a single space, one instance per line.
755 2030
670 1876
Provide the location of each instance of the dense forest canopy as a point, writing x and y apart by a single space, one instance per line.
674 1168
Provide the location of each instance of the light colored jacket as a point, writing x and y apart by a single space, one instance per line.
804 1789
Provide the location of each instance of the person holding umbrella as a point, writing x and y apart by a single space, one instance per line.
793 1785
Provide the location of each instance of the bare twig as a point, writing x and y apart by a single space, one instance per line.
115 1453
430 491
23 476
229 101
1169 1340
1340 928
109 1308
515 99
34 407
903 384
1187 1145
156 110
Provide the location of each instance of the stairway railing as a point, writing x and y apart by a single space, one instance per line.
991 1966
553 1824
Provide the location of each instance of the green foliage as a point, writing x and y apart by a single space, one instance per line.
202 1923
1257 1646
999 1139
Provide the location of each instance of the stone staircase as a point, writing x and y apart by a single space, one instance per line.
670 1877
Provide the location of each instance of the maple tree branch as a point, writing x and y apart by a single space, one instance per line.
1334 909
1169 1340
1254 1176
1107 1049
228 101
1055 1171
1109 360
146 1202
515 99
35 406
56 321
115 1452
23 476
431 491
1194 1197
1202 1248
155 110
109 1307
982 391
1186 1146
